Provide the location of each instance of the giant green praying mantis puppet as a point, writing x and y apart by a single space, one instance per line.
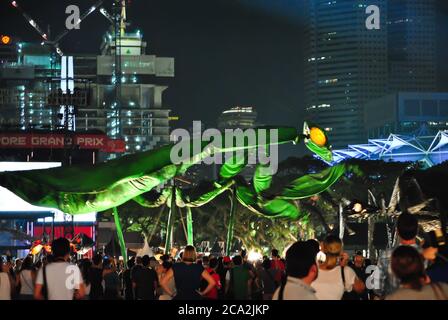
94 188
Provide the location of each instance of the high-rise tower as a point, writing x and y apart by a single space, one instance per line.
412 49
346 65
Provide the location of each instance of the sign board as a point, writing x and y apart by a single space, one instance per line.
56 141
138 65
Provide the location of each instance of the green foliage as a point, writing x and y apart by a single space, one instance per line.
135 218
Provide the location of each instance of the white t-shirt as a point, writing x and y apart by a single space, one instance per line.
329 284
62 280
5 287
26 281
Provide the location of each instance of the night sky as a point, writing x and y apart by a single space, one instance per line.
227 52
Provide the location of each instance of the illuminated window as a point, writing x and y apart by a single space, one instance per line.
328 81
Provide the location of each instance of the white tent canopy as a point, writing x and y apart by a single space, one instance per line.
146 250
9 202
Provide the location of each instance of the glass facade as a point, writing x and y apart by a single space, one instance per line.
141 119
237 118
24 89
412 45
406 113
346 65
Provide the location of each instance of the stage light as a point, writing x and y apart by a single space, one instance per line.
36 249
254 256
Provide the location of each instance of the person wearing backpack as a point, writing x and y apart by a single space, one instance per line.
59 280
25 279
301 271
335 277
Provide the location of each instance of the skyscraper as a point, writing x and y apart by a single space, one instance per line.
30 74
237 118
412 45
346 65
24 89
143 121
243 118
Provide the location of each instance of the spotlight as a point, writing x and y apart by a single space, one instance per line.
254 256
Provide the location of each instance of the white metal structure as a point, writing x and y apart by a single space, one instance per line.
429 150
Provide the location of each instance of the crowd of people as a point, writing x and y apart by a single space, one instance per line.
410 271
311 270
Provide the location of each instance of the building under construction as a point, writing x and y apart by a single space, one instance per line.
118 92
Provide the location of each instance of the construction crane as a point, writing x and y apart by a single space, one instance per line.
46 36
119 15
119 30
118 23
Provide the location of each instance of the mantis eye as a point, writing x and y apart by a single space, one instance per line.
318 136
